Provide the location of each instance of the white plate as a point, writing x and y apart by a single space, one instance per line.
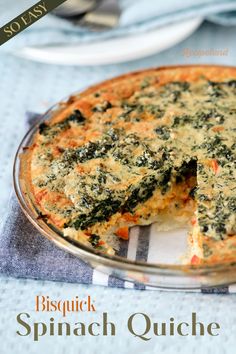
114 50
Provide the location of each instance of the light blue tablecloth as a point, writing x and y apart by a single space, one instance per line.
137 16
31 86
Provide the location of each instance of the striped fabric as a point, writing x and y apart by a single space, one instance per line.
143 244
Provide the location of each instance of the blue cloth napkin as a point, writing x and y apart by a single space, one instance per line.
137 16
24 253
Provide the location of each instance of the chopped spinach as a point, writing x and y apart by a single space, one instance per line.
76 117
43 128
101 211
181 120
140 193
94 240
187 169
163 132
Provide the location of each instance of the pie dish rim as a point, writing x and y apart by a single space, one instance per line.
151 274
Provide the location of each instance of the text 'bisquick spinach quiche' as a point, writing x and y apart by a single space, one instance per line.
149 146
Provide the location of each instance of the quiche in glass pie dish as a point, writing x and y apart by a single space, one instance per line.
157 145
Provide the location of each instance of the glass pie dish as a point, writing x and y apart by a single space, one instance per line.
151 257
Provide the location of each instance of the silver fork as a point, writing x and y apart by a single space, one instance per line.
105 16
71 8
97 15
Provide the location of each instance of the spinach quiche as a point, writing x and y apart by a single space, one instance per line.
154 145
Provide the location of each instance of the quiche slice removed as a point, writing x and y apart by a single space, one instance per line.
149 146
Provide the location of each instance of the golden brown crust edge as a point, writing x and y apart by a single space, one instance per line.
188 73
